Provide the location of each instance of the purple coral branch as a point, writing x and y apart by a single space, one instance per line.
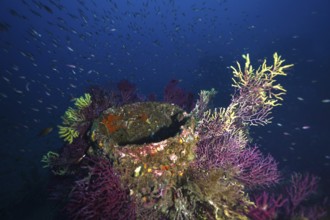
127 91
266 206
215 153
252 111
248 164
302 186
100 195
256 169
176 95
314 212
101 100
291 206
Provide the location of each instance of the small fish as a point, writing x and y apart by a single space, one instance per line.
48 9
4 27
71 66
6 79
326 101
305 127
27 87
44 132
15 67
35 33
3 95
18 91
70 49
36 120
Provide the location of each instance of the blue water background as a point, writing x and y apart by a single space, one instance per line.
51 51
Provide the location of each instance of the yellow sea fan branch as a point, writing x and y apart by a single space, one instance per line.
68 133
83 101
72 116
258 92
49 158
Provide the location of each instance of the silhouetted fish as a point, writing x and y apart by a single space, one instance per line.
44 132
4 27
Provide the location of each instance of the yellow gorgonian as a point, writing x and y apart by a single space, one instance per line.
68 133
83 101
261 80
73 117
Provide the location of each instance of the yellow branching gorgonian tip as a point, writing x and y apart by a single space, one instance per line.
278 65
49 158
262 79
68 133
72 116
83 101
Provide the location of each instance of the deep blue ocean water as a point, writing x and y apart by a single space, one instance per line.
51 51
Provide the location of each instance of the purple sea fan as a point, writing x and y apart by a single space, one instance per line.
266 206
101 100
100 195
217 153
127 91
255 169
176 95
250 166
72 153
301 187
